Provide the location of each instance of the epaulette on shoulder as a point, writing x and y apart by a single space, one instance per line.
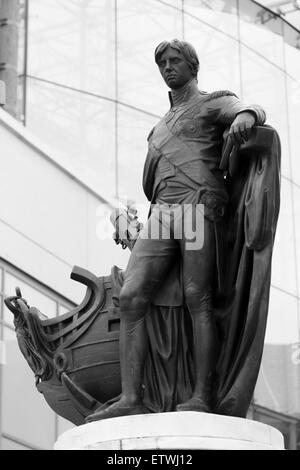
220 93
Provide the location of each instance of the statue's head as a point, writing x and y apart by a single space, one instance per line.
177 62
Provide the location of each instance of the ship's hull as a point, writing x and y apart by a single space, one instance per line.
75 357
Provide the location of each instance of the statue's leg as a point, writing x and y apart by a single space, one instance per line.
148 266
198 271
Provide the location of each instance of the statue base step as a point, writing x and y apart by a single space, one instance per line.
176 430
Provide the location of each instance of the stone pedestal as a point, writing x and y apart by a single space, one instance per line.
177 430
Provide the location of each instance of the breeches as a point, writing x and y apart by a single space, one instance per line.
167 238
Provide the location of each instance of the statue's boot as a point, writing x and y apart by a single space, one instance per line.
133 349
205 347
117 410
105 405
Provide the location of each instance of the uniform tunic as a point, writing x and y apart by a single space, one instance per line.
197 120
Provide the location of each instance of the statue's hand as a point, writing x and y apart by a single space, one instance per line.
239 132
127 227
240 129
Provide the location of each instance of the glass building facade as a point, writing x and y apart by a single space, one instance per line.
90 89
27 422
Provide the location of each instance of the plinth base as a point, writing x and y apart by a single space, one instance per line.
177 430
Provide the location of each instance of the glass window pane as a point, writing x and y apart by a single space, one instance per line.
7 444
79 131
293 93
133 130
25 413
221 15
284 263
296 192
292 51
141 27
2 348
261 32
283 323
264 84
73 43
278 385
34 298
175 3
21 61
218 54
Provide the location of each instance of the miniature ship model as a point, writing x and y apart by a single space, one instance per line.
74 357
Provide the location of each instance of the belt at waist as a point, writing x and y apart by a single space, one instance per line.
189 176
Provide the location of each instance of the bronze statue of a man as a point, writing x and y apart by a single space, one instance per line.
181 168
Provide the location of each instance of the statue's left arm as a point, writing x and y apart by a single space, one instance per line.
227 110
227 107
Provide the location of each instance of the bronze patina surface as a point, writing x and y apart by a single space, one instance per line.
182 328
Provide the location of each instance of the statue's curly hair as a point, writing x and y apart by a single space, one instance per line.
185 48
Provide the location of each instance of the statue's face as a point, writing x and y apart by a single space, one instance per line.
174 69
